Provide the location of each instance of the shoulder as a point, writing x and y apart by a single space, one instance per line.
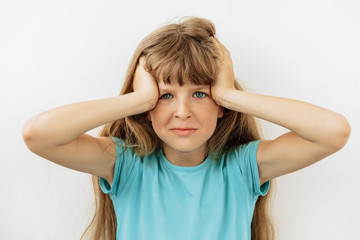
245 154
247 149
121 146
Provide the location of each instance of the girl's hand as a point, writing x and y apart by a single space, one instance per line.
145 84
225 78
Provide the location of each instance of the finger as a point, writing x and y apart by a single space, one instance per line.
217 44
141 61
222 46
218 49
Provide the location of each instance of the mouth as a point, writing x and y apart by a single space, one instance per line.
183 131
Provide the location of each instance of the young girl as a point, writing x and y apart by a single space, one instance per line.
180 155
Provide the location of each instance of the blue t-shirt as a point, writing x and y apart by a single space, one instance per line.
157 200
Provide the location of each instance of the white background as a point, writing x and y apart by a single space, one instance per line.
54 53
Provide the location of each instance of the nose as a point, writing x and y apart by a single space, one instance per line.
183 110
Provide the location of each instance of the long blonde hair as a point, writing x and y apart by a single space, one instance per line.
178 51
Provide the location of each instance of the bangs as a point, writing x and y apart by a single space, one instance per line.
186 61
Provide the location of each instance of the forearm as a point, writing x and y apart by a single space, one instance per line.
310 122
63 124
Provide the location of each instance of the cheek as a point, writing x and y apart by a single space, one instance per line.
209 114
210 108
157 116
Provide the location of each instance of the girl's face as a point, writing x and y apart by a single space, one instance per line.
185 116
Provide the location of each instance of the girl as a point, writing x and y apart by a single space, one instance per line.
180 155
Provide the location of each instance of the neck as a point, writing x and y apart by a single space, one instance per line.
185 159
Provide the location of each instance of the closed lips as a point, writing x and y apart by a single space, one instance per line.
183 131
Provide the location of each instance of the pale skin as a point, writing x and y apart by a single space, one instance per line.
59 134
315 132
187 106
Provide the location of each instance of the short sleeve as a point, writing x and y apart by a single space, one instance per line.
123 166
246 158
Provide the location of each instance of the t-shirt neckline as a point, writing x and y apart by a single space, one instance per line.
172 166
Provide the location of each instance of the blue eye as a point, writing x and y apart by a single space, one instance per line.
166 96
199 94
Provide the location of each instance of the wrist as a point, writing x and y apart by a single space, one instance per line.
150 101
221 96
145 101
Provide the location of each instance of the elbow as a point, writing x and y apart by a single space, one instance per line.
29 135
342 133
27 131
